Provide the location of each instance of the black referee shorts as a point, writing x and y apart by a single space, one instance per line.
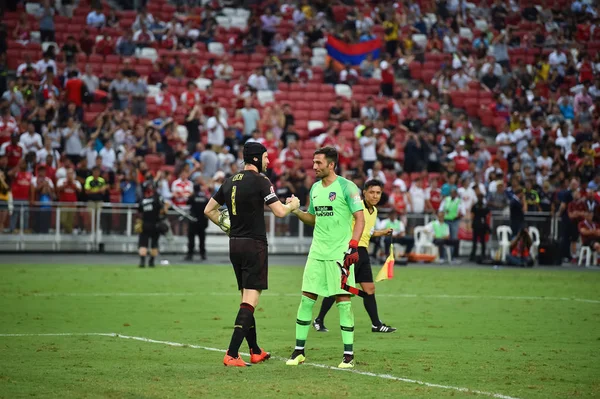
249 258
149 235
362 269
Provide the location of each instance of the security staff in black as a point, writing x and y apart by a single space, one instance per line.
150 207
479 225
197 203
246 194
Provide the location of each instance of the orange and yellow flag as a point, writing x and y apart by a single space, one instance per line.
387 270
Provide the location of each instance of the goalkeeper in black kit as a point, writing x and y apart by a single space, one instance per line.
245 194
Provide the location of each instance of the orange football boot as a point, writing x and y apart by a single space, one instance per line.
264 355
234 361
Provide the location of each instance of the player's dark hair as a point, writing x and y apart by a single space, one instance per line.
330 153
373 183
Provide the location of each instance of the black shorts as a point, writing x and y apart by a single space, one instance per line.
574 231
362 269
149 235
249 258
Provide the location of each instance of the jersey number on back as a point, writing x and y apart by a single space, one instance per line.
233 208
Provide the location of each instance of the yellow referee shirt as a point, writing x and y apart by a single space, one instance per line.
370 219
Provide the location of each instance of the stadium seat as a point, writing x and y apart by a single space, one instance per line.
343 90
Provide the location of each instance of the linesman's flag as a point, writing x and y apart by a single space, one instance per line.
352 54
387 270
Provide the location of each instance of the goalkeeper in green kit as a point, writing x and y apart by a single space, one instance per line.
334 201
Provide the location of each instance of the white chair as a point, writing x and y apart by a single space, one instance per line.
466 33
318 61
242 12
504 233
265 96
312 125
224 22
535 238
319 51
153 90
238 22
45 46
147 53
586 253
420 40
343 90
216 48
203 83
35 36
423 242
33 8
99 37
481 24
228 11
182 132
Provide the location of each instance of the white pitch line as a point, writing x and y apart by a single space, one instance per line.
433 296
322 366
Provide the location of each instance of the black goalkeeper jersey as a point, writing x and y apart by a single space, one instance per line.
245 195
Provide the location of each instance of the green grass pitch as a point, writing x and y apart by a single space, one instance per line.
470 332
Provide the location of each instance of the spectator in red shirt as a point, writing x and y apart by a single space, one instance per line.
105 46
22 191
208 71
68 188
435 196
13 150
86 42
74 89
8 125
590 232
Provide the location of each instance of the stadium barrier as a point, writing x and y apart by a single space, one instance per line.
86 227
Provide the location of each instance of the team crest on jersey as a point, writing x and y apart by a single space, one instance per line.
332 196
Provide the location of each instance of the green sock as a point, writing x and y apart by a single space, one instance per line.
303 321
347 326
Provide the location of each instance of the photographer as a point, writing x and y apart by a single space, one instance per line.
148 226
197 202
519 250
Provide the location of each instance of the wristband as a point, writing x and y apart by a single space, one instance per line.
353 244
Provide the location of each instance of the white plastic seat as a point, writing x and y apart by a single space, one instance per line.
343 90
420 40
481 24
228 11
423 241
535 238
319 51
466 33
203 83
242 12
585 253
153 90
318 61
312 125
238 22
148 53
45 46
182 132
265 96
223 21
33 8
504 233
216 48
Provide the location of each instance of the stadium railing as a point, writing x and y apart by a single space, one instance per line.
81 227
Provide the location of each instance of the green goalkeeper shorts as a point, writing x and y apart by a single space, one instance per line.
323 277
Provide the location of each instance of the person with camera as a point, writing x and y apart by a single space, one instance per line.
519 250
149 226
197 202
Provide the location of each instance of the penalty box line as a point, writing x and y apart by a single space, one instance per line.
317 365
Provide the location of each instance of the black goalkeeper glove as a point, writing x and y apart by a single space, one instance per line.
351 255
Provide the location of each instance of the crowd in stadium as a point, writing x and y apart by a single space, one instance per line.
495 98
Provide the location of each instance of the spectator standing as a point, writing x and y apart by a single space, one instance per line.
13 151
139 92
22 193
30 140
450 208
43 194
73 137
479 226
68 189
368 148
109 156
95 189
96 19
46 22
250 116
182 188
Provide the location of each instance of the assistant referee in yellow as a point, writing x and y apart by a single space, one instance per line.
362 269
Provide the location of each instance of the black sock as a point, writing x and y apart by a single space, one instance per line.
371 308
151 261
142 260
243 321
251 338
325 306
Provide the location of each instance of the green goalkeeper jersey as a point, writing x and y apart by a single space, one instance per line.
333 207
